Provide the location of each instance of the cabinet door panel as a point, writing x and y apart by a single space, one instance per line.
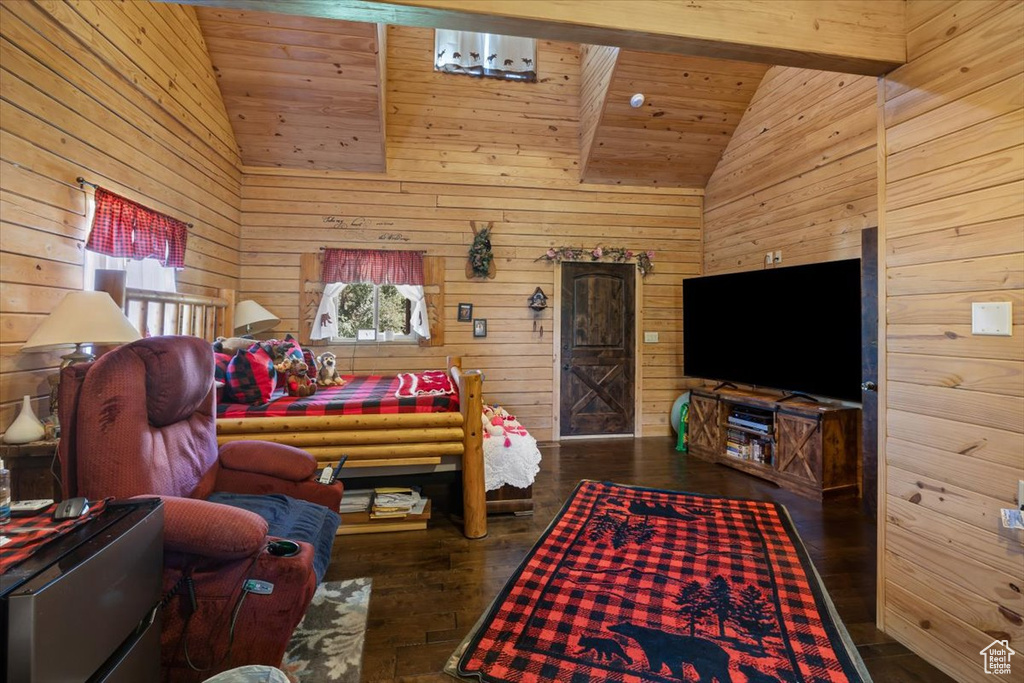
703 425
799 447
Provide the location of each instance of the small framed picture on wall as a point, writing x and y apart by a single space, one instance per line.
465 313
480 327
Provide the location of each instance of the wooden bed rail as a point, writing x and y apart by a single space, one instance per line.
471 402
157 313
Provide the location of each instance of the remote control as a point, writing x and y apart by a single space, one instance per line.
22 508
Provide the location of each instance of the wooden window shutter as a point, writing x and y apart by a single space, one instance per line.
433 292
311 290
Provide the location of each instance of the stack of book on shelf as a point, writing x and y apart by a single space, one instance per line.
747 447
737 444
383 509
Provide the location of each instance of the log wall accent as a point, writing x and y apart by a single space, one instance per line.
953 228
856 36
799 174
461 150
123 94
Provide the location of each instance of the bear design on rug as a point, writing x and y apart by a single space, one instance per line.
605 649
676 650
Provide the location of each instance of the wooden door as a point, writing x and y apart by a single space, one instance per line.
869 368
598 346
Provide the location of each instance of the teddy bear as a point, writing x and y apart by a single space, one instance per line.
298 382
328 375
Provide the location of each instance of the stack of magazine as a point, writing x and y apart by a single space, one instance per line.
392 502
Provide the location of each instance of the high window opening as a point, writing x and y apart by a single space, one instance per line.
485 55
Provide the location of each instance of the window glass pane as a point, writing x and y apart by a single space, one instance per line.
393 312
486 55
355 310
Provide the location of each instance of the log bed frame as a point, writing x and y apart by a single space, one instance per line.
368 440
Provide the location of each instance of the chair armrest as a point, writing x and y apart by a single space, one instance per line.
198 527
265 457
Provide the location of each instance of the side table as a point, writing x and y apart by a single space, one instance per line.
32 467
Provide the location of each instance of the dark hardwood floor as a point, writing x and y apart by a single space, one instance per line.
429 587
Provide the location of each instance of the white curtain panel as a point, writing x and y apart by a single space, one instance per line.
418 316
485 54
325 324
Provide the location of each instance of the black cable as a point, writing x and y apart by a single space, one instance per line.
234 616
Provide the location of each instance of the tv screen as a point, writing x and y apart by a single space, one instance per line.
796 329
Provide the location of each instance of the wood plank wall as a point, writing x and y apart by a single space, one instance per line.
123 94
597 67
461 150
953 224
799 174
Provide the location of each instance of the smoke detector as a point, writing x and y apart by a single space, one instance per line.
637 100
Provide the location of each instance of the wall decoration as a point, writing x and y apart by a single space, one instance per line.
392 237
644 259
358 222
465 313
481 259
538 300
480 327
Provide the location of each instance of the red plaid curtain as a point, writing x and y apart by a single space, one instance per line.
120 227
367 265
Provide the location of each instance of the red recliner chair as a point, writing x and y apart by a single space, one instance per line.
139 421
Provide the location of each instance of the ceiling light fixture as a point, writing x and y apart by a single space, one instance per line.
637 100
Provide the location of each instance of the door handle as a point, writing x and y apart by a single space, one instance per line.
566 367
869 386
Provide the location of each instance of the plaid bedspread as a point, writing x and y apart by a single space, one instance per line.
361 395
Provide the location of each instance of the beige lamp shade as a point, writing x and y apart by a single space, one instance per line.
251 318
82 318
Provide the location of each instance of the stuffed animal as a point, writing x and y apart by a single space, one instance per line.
298 382
229 345
328 375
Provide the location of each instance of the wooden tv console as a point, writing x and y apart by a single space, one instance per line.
810 448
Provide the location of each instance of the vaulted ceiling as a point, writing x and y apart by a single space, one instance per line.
301 92
306 92
691 107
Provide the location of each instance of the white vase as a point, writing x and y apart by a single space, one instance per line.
26 427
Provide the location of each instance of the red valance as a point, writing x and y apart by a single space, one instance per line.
121 227
352 266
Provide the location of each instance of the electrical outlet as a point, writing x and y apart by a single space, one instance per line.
778 256
650 337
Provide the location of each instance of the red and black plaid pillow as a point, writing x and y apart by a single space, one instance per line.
250 377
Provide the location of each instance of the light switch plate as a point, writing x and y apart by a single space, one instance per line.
992 318
650 337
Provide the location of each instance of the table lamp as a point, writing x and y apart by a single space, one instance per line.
82 318
251 318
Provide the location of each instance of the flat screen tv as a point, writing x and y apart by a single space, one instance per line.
796 329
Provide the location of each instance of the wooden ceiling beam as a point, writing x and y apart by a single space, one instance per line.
853 36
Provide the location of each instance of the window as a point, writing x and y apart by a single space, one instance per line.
373 312
486 55
145 273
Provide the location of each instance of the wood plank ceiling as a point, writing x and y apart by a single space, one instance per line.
301 92
677 137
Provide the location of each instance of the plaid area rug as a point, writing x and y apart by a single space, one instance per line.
635 584
327 645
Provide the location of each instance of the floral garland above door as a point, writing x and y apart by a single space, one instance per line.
644 259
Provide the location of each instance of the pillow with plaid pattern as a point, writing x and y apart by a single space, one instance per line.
250 377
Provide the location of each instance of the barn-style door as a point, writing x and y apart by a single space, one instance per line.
597 349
